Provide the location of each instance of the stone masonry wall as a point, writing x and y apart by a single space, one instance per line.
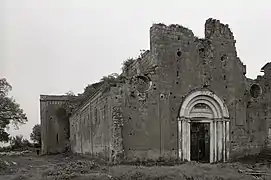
186 63
138 118
260 110
54 124
90 127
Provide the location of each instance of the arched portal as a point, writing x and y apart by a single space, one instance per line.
204 110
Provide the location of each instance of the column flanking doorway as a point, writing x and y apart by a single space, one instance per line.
203 125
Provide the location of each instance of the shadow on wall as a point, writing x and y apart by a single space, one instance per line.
63 135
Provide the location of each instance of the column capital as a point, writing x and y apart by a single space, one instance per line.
183 119
221 119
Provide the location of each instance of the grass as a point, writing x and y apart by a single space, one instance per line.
33 167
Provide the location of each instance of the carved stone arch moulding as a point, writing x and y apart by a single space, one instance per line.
215 114
208 97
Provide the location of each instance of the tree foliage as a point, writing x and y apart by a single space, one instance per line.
127 64
90 89
18 142
10 111
35 136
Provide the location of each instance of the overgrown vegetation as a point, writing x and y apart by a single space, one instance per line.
35 136
104 84
10 111
127 64
18 143
108 81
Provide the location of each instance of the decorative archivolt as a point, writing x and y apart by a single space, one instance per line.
216 105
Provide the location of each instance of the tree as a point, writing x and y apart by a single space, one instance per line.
18 142
35 136
10 111
127 64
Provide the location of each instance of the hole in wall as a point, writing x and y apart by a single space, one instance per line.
179 37
201 50
205 85
132 94
177 73
202 53
179 53
177 82
224 77
255 91
154 87
57 138
223 57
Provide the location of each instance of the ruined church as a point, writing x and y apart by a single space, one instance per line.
185 98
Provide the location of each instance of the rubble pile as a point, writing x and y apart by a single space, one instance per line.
5 166
72 169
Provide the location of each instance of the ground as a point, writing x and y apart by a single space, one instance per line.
29 166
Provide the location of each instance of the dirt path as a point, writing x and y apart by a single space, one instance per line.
33 167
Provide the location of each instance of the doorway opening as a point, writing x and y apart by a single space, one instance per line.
200 142
203 126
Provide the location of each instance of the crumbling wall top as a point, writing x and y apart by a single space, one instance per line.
160 29
215 29
54 98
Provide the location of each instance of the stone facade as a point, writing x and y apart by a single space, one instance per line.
170 92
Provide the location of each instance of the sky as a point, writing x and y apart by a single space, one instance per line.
56 46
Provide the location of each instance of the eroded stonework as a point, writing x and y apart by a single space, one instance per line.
149 115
